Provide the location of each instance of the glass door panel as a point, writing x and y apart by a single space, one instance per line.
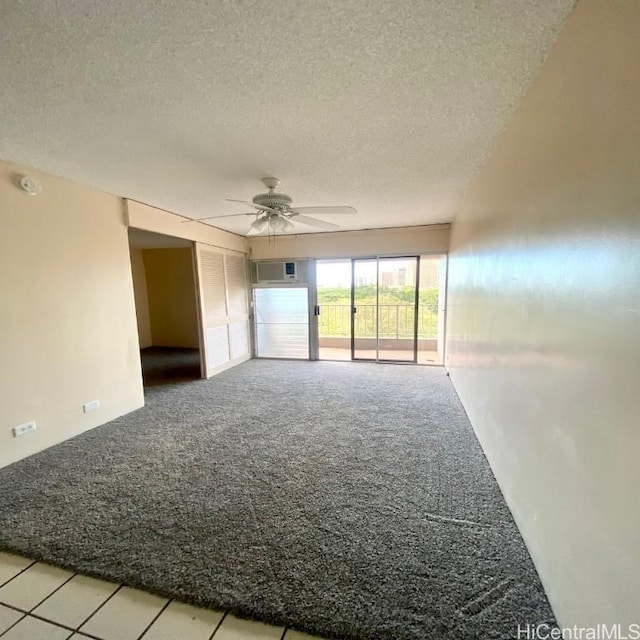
281 322
397 306
364 297
384 309
333 284
431 309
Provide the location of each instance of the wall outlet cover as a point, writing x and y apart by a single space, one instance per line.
91 406
23 429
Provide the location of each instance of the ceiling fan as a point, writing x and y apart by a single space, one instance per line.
275 213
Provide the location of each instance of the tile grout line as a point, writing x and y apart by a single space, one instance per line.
60 624
11 606
93 613
40 619
74 630
224 615
24 615
19 572
166 604
29 614
28 611
73 575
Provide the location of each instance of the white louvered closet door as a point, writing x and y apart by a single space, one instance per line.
237 306
224 308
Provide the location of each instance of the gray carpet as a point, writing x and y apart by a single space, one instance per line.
347 500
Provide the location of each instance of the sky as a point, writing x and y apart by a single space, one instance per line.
338 273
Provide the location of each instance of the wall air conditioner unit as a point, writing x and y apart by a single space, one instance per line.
276 272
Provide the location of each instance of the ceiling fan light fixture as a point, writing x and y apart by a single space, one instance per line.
259 224
277 223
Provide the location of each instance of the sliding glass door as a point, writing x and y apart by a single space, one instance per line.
387 309
333 310
397 309
364 309
384 293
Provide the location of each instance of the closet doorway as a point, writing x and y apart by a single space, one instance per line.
166 307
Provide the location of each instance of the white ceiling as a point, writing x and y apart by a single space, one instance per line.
387 106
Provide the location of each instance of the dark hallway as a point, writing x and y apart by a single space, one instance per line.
168 365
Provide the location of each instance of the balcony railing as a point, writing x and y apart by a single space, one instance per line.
394 321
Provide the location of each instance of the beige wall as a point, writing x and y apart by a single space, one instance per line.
544 315
69 328
141 298
171 297
347 244
143 216
68 333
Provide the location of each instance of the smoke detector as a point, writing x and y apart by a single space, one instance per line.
30 185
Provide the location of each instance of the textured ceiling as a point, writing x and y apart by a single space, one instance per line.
387 106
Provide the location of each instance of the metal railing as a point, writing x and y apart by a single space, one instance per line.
393 321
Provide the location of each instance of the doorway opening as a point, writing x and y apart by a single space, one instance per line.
381 309
166 308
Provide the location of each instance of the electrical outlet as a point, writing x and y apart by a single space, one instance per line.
23 429
91 406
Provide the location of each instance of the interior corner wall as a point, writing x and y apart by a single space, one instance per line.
68 318
173 312
141 298
544 315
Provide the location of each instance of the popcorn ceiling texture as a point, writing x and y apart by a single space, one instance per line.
390 107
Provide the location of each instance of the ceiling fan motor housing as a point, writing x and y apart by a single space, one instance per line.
273 200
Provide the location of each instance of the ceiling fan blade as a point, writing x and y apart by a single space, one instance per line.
230 215
251 204
342 210
314 222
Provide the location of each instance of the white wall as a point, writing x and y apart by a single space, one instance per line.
544 315
68 333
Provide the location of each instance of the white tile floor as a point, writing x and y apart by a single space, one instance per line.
41 602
